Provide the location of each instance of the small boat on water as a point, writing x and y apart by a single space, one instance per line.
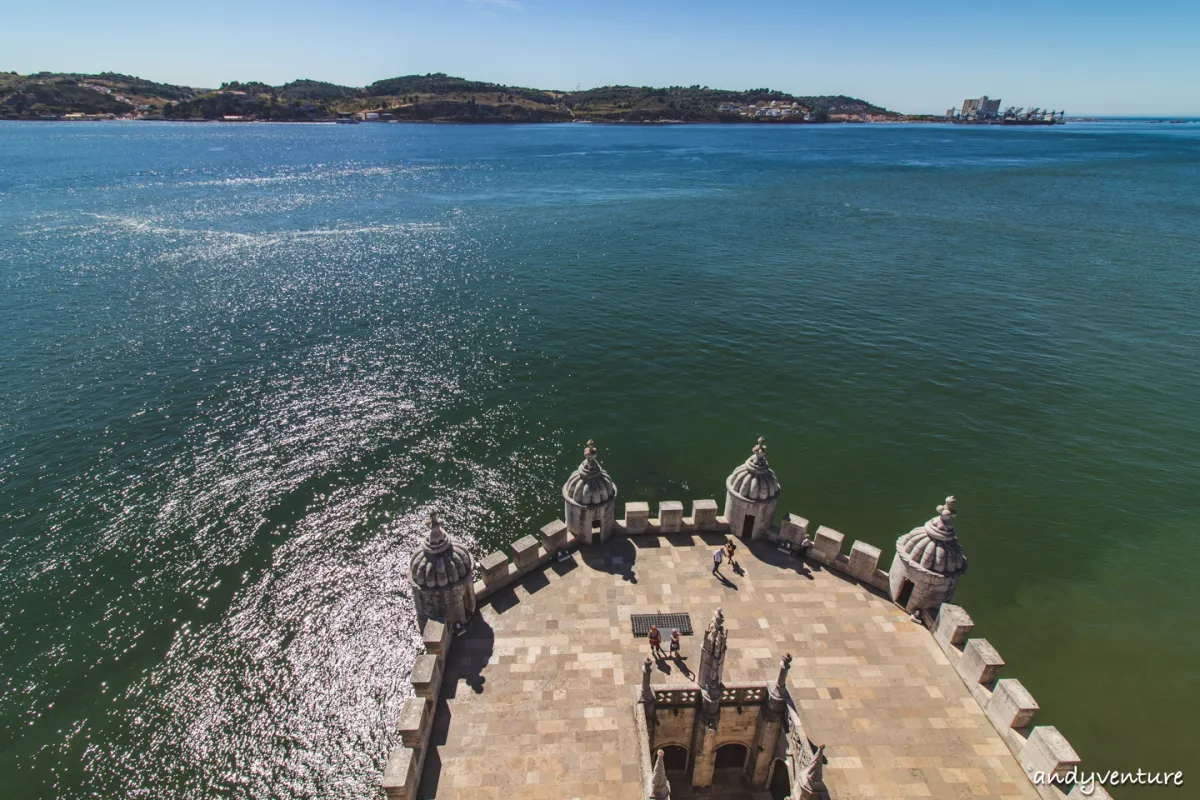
346 121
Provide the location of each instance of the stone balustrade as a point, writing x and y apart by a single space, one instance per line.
743 694
676 697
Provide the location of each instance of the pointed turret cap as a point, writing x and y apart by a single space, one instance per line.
934 547
755 480
589 485
441 561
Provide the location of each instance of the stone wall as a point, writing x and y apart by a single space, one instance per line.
500 569
1007 703
737 508
450 602
402 775
678 715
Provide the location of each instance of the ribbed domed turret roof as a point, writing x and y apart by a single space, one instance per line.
934 546
755 480
441 561
589 485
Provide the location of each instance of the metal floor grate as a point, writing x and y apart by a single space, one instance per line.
665 622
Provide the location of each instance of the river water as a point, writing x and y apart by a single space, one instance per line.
241 363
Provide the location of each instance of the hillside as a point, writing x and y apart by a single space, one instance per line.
434 97
49 93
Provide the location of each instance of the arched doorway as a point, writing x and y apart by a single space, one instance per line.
731 756
780 783
748 527
675 758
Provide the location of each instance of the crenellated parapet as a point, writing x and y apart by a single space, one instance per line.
1008 705
406 761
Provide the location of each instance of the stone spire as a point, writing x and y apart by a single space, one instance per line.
712 654
812 784
779 687
660 787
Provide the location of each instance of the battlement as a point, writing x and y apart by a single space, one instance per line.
921 581
402 775
1007 703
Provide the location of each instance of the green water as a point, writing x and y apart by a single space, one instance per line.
241 363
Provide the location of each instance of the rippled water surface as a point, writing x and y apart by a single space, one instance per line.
240 364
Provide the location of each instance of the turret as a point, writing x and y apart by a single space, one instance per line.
442 577
589 500
751 493
928 563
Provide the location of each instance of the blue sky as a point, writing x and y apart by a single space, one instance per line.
1098 57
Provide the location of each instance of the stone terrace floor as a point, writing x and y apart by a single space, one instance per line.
537 701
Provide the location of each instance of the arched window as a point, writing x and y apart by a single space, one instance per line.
731 756
675 758
780 783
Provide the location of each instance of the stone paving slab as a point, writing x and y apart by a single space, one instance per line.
537 697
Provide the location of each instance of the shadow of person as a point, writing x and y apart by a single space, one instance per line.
728 583
681 665
469 657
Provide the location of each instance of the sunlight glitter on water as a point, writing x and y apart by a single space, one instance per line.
242 367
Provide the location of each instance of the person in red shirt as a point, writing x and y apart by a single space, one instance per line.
656 643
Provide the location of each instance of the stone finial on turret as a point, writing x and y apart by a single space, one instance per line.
946 513
435 539
660 787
